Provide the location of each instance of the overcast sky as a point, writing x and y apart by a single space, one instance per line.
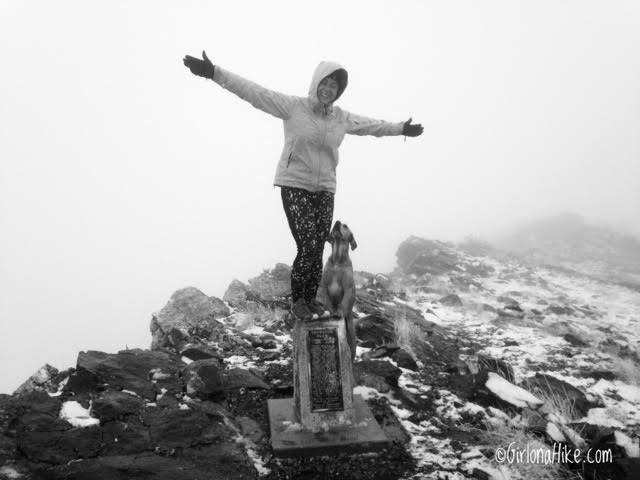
124 178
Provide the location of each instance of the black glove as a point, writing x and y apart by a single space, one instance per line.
202 68
409 130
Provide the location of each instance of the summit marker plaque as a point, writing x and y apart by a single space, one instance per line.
324 417
324 369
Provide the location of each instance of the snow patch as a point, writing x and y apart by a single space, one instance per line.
9 472
511 393
77 415
630 445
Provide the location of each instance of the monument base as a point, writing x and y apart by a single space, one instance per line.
290 439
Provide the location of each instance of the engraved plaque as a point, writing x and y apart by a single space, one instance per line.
324 368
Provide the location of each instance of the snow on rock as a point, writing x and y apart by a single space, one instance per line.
9 472
61 386
555 433
77 415
605 417
630 445
511 393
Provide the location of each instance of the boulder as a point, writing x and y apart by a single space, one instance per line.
237 378
43 379
374 330
404 360
188 313
236 293
115 405
511 393
575 340
272 284
199 352
368 372
204 378
419 256
173 428
547 386
451 300
131 370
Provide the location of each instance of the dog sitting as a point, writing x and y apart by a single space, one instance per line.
337 289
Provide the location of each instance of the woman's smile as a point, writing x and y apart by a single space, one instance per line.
327 90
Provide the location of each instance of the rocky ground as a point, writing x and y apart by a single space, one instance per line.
463 351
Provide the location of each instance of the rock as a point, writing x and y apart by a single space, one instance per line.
124 438
170 429
575 340
220 308
511 393
272 284
560 310
364 371
382 281
547 386
227 461
510 313
204 378
452 300
237 378
115 405
212 409
488 364
419 256
44 438
599 375
404 360
488 308
382 351
199 352
236 293
250 429
43 380
189 312
375 330
127 370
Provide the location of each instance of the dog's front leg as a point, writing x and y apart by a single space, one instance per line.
351 335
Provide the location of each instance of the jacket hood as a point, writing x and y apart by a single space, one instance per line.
322 70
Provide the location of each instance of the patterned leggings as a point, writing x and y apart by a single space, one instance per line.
309 215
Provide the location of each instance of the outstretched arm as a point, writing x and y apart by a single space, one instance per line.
269 101
359 125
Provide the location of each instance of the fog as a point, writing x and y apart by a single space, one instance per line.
123 177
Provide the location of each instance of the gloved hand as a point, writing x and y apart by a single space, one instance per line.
409 130
202 68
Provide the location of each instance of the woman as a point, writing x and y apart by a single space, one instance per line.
313 128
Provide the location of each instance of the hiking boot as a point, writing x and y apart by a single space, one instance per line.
301 310
319 309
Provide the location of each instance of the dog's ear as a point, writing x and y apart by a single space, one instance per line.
353 243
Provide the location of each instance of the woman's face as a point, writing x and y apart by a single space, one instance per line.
327 90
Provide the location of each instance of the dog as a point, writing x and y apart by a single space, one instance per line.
337 289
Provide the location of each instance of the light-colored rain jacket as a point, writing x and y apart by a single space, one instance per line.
312 132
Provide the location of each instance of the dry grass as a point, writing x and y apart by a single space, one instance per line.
556 403
626 369
406 333
509 438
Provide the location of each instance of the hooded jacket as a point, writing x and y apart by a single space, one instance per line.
312 131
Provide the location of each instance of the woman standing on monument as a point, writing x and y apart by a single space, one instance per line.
306 174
